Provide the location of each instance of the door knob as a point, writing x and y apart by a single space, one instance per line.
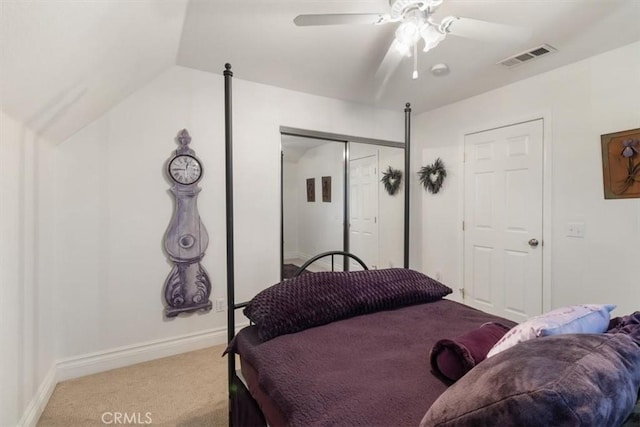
533 243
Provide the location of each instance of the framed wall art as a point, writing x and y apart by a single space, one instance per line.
311 189
621 164
326 189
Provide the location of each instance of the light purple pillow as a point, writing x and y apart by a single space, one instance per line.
575 319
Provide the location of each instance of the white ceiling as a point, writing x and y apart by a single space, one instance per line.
63 63
259 39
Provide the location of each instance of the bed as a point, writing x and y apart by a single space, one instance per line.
368 370
357 349
362 348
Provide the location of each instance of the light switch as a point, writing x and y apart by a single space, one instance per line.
576 229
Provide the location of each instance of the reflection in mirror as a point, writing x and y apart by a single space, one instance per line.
312 202
376 218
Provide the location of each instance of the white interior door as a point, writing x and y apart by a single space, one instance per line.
503 220
363 211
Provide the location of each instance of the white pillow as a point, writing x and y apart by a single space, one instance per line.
575 319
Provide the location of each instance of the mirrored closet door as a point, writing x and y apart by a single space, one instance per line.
376 217
334 198
313 202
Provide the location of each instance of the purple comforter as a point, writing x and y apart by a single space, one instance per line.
629 325
369 370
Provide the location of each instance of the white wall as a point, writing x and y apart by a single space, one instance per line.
26 271
580 102
113 204
321 224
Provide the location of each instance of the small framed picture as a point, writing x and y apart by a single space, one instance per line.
326 189
311 189
621 164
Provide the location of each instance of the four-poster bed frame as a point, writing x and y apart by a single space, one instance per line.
346 327
234 382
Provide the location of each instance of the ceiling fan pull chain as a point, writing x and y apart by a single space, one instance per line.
415 60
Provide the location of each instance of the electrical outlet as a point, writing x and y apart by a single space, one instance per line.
576 229
220 305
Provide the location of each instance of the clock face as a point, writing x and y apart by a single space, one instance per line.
185 169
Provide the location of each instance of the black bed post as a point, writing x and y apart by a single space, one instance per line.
228 74
281 210
345 208
407 175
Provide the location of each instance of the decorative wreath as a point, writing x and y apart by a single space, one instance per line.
432 176
391 179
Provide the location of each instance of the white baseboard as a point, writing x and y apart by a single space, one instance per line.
35 408
79 366
130 355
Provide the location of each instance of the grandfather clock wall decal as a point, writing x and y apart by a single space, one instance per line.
187 287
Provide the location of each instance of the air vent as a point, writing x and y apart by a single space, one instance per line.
527 55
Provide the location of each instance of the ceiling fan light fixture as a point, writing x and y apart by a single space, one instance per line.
431 36
445 24
416 21
415 62
401 48
399 7
408 33
430 6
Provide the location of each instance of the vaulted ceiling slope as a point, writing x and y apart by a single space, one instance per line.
64 63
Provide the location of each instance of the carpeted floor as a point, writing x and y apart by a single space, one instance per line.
187 390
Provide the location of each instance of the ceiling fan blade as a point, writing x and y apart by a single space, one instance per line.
486 31
389 64
339 19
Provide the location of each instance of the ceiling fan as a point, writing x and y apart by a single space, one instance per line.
416 24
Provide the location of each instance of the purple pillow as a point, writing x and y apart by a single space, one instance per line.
575 380
316 299
452 359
